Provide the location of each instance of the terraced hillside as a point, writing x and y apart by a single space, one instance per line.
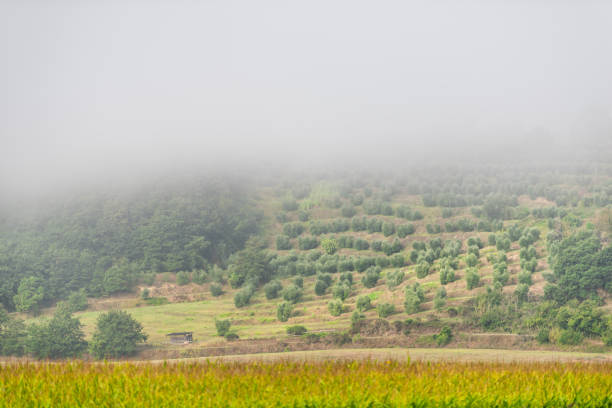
356 262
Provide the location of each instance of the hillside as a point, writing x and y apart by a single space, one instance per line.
367 260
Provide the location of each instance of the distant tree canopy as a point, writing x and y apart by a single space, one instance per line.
580 267
99 242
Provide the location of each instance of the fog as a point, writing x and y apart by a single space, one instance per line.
109 91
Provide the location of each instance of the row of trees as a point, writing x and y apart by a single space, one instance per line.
117 335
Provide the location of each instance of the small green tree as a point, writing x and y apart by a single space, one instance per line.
216 289
363 303
117 335
272 289
444 337
283 311
12 335
335 307
183 278
341 291
385 309
329 245
222 326
472 278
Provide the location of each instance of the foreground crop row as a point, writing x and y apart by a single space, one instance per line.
337 384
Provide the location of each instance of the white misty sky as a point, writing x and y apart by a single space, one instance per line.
95 88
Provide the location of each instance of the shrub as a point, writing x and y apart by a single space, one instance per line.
329 245
283 242
303 215
524 277
398 260
299 282
283 311
182 278
471 260
144 295
385 309
395 278
341 291
543 336
306 243
447 275
472 278
216 289
293 229
570 337
388 229
296 330
320 287
347 278
412 301
243 297
405 230
361 244
444 337
292 294
422 269
363 303
370 279
440 298
223 327
335 307
272 289
231 336
521 292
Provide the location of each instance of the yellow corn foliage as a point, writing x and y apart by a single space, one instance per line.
298 384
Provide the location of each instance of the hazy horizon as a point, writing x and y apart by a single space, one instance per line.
110 91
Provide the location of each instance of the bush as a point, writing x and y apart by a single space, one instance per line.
471 260
296 330
183 278
524 277
116 335
329 245
388 229
422 269
283 242
398 260
472 278
223 327
395 278
370 279
361 244
292 294
303 215
570 337
335 307
444 337
283 311
341 291
543 336
363 303
272 289
216 289
447 275
405 230
299 282
306 243
521 292
243 298
320 287
385 309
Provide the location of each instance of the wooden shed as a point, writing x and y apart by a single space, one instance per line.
180 337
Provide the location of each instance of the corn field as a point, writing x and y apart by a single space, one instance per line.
298 384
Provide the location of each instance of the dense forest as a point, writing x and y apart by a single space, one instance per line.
103 243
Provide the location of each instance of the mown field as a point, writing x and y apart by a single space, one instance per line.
305 384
